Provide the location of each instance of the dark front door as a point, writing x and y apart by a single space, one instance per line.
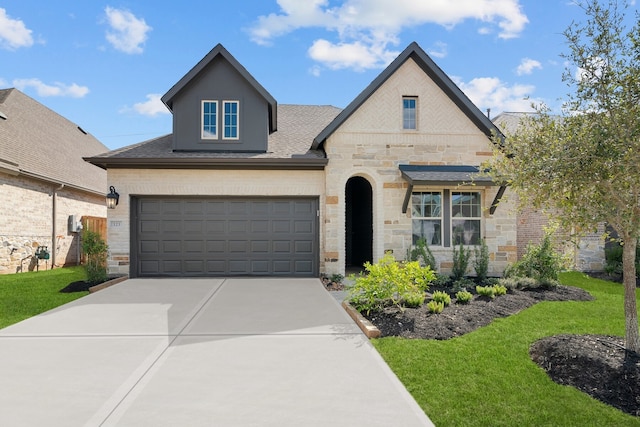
359 222
196 236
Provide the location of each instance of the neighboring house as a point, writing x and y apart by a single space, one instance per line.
245 186
587 251
43 182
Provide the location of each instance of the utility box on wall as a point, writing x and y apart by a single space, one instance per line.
74 224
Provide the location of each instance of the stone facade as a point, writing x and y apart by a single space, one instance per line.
185 182
372 144
26 222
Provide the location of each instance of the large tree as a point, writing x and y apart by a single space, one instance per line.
583 163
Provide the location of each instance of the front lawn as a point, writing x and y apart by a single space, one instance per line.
486 378
24 295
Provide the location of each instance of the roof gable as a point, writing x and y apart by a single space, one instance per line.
38 142
216 53
415 52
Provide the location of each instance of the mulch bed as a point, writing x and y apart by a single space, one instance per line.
597 365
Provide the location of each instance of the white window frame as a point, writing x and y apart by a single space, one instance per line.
224 120
204 135
430 218
477 218
415 113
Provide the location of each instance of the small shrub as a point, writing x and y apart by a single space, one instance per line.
481 261
96 250
463 297
499 290
462 284
486 291
460 262
388 282
435 307
511 283
490 281
336 278
441 280
540 262
414 299
421 253
442 297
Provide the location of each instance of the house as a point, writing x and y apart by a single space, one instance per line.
244 186
45 185
586 251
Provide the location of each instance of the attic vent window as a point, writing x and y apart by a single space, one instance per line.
82 130
409 112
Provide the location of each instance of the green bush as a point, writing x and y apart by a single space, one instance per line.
463 297
389 282
414 299
499 290
421 253
96 250
481 261
441 280
540 262
442 297
486 291
460 262
462 284
435 307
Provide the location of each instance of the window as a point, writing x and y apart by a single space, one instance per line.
446 218
427 217
409 110
209 119
465 218
230 119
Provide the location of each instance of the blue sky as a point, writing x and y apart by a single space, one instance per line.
104 65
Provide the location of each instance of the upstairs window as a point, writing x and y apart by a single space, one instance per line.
409 112
466 213
209 119
230 119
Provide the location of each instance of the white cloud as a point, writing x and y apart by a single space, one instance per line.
128 33
438 50
57 89
152 106
491 92
593 69
368 27
13 32
527 65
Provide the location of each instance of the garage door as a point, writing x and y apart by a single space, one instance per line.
222 237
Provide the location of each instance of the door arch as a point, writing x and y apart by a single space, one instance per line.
358 222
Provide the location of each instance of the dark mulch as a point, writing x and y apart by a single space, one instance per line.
596 365
459 319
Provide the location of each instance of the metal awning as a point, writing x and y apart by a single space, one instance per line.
445 175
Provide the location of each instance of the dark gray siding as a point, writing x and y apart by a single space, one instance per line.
220 81
224 236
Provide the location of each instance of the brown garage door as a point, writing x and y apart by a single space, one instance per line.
225 236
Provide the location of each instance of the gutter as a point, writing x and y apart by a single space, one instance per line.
54 230
209 163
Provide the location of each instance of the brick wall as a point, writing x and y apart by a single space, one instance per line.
26 222
371 144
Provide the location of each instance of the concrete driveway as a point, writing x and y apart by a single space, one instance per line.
199 352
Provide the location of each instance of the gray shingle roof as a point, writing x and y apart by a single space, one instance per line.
297 126
509 122
38 142
444 175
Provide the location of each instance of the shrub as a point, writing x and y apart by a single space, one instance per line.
460 262
337 278
441 280
481 261
414 299
442 297
421 253
435 307
462 284
540 262
486 291
389 282
96 250
499 290
463 297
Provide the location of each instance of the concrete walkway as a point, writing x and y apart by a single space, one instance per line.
199 352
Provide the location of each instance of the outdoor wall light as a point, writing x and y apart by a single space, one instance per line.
112 198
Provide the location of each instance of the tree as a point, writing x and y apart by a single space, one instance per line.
96 250
584 164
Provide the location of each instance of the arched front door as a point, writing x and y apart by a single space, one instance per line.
359 222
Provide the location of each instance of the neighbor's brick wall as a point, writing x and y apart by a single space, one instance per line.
178 182
26 221
372 144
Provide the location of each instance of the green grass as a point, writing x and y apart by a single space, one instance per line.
486 378
24 295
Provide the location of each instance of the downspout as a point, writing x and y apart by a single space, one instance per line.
54 230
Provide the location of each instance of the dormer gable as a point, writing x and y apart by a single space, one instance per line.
218 106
